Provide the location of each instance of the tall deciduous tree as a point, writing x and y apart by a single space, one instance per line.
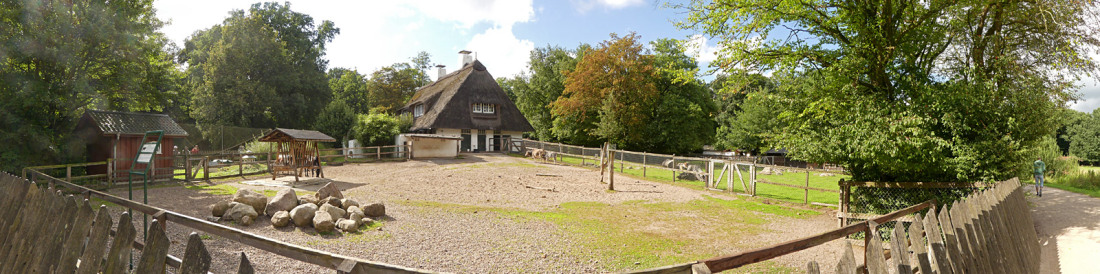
391 87
260 68
59 58
545 82
683 119
609 94
351 87
911 90
1084 138
748 114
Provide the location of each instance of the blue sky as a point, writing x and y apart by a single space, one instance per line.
501 32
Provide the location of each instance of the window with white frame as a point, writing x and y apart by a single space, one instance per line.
418 110
484 108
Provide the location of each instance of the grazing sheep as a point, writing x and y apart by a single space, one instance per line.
551 156
667 163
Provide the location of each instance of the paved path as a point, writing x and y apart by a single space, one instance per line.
1069 230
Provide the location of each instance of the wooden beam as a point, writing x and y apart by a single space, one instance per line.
752 256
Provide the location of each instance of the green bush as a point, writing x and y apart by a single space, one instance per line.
376 129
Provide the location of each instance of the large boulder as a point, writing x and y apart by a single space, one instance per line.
335 212
303 214
219 208
347 225
348 203
323 223
329 190
331 201
307 199
284 200
255 199
356 210
375 210
238 212
280 219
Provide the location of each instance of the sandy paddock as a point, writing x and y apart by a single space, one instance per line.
439 239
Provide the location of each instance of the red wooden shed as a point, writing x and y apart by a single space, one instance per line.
117 135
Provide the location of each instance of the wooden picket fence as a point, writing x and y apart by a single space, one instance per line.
990 231
43 231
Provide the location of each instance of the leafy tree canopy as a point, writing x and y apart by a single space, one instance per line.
392 86
351 87
55 63
260 68
910 91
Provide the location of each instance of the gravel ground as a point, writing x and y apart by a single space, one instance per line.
442 238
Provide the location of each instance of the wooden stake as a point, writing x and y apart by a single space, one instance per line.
806 195
611 184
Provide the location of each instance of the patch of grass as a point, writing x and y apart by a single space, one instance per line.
777 192
639 234
219 189
205 237
1084 180
223 171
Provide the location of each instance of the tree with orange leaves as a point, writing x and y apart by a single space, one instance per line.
609 95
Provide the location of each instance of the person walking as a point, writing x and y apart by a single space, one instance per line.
1039 168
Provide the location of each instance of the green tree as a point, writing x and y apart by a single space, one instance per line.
608 95
376 129
392 86
260 68
512 86
1085 138
59 58
683 119
545 82
336 120
351 87
1069 119
937 91
743 123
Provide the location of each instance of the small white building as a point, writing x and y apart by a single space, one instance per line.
468 104
431 145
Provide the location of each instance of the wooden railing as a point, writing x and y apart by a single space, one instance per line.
991 231
340 263
377 154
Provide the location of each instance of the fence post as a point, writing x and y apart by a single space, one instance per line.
621 161
240 165
187 165
69 173
378 152
206 168
110 173
643 164
843 203
673 168
806 195
611 185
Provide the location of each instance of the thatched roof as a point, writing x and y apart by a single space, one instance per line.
448 101
286 134
130 123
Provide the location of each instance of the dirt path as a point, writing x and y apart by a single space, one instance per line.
1069 230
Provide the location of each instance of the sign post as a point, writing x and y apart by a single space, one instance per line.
147 154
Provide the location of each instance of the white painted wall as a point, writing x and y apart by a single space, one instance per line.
434 148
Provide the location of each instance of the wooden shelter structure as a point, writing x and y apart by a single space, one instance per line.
295 151
116 136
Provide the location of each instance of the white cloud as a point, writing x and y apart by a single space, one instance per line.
501 52
697 47
469 12
583 6
1090 96
374 34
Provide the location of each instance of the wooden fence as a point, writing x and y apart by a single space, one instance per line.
187 166
712 169
991 231
34 240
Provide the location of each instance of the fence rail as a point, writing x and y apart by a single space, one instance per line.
710 171
189 167
991 231
162 217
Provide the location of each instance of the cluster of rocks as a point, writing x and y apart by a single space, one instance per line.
325 211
